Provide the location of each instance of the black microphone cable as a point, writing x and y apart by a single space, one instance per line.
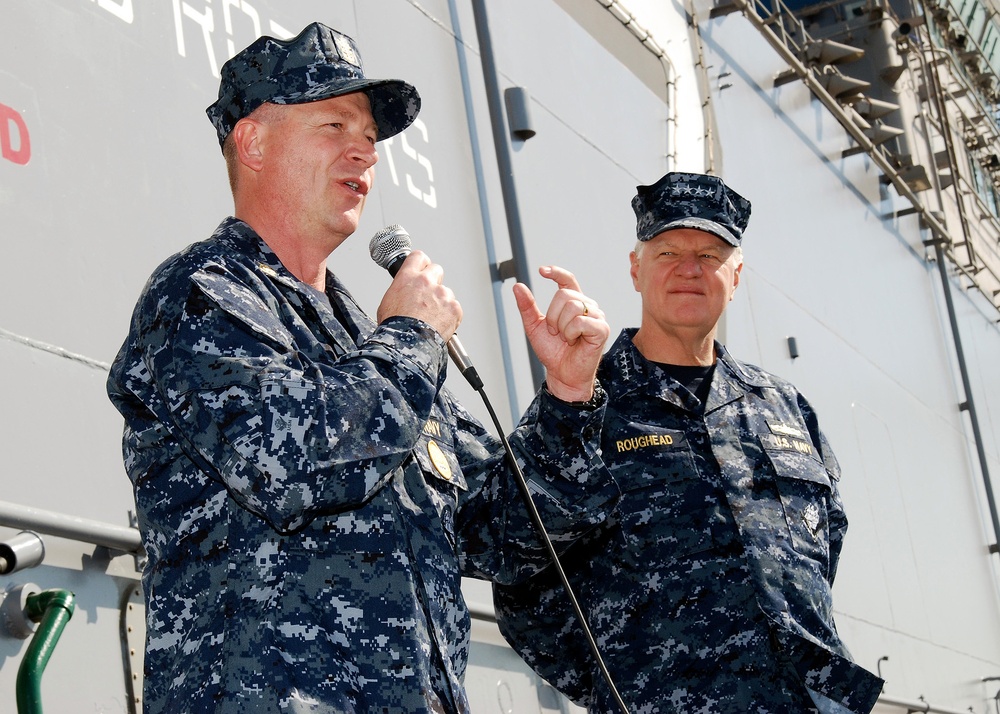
389 247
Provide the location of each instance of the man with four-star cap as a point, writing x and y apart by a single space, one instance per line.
709 588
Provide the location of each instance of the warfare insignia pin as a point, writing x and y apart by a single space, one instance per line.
785 430
439 460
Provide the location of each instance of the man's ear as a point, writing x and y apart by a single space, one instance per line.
248 140
736 279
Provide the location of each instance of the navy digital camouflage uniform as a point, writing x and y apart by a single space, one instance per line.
308 493
709 589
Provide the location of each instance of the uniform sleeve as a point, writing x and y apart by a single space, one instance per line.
292 432
537 620
557 447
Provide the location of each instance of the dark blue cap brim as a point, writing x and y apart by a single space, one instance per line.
394 103
389 99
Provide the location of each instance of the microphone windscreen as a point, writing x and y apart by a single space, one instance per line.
389 244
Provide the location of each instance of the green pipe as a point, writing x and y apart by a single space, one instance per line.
53 609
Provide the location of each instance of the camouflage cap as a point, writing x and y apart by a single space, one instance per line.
697 201
317 64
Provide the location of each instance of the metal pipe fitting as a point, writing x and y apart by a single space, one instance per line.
52 609
25 550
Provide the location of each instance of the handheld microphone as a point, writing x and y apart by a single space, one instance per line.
389 248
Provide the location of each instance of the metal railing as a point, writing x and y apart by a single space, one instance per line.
787 34
120 538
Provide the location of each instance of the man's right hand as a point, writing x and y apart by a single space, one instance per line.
418 290
568 339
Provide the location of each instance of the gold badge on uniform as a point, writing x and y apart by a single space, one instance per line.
439 460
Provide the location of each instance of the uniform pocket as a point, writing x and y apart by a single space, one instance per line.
668 509
805 489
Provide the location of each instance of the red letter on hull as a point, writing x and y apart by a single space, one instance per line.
11 122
